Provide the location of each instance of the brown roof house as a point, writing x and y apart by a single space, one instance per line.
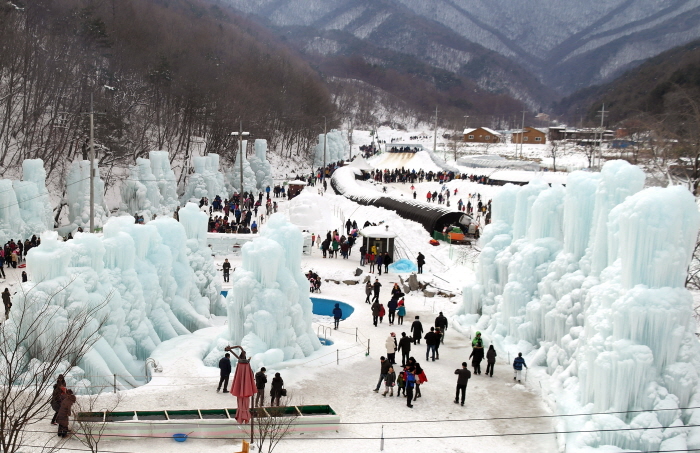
530 135
481 135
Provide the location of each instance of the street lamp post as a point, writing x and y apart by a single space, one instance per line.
325 137
240 135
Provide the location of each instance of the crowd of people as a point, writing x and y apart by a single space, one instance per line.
404 176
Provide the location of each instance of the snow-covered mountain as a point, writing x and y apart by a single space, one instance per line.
567 45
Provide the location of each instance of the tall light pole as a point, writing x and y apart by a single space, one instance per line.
240 135
600 143
522 135
466 117
435 134
325 137
92 164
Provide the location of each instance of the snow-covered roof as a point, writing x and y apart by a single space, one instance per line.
296 182
485 129
379 231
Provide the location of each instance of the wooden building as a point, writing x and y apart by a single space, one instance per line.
529 135
481 135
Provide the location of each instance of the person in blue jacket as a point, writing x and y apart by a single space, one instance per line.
378 261
337 315
518 365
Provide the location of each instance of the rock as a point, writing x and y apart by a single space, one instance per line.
444 294
334 281
367 279
358 272
413 282
351 282
427 293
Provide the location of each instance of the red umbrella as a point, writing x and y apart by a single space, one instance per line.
243 388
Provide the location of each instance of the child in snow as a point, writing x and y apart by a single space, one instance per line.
389 382
401 384
382 312
401 311
518 365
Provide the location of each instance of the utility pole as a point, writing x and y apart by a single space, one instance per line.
350 136
92 163
466 117
522 135
435 135
600 143
240 135
325 139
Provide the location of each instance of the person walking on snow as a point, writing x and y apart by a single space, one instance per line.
410 383
392 305
401 311
368 291
463 376
64 413
417 330
490 360
420 260
378 260
224 372
377 286
430 340
260 381
337 316
375 312
405 348
518 365
441 323
227 270
391 345
383 371
389 382
7 302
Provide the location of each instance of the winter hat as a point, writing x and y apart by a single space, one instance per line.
382 358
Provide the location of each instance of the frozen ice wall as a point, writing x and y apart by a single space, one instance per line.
233 176
78 195
269 309
200 259
607 314
206 181
261 166
25 207
140 192
337 148
139 276
165 177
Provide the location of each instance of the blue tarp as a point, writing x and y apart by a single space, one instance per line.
403 266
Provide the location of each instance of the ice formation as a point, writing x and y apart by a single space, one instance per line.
145 194
337 148
590 281
233 177
269 309
78 195
206 181
25 207
146 275
261 166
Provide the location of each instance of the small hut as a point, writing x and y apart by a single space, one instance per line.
380 236
294 188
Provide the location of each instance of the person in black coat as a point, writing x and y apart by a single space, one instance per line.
337 315
420 261
386 261
431 339
441 323
392 306
477 356
377 286
227 270
417 329
260 381
276 389
490 360
224 372
405 348
462 380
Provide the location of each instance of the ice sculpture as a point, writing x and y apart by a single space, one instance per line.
142 275
269 309
25 207
206 181
140 192
233 177
337 148
260 165
598 297
145 193
78 195
165 177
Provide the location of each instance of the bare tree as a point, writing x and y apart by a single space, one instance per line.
554 152
89 422
274 424
40 340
